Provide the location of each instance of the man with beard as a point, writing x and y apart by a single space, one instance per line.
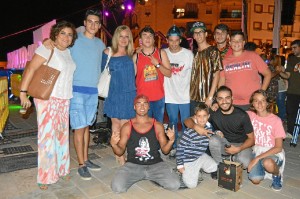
143 138
234 131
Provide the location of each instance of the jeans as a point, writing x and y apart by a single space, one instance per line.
172 110
281 105
258 171
193 105
83 109
157 109
130 173
216 147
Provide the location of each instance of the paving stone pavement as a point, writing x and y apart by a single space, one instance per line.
22 184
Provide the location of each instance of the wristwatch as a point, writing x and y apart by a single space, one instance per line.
157 65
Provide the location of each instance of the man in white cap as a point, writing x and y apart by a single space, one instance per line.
177 87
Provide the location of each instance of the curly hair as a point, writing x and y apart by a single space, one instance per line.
268 99
56 28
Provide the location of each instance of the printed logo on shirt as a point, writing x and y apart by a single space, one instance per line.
142 152
263 133
297 67
150 73
176 68
245 65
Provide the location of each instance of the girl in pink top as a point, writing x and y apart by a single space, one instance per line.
269 157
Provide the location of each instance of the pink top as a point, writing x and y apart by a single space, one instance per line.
266 129
242 75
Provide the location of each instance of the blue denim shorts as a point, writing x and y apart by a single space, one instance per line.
258 171
83 109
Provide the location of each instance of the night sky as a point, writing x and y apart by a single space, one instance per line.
21 15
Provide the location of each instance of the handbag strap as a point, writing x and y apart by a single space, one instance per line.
108 58
52 50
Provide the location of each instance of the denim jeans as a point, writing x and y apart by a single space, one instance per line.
172 110
130 173
258 171
157 109
281 105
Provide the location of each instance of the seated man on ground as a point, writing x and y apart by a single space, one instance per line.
268 153
143 137
234 130
190 155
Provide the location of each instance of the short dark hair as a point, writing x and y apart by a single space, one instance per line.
201 107
222 27
56 28
297 42
147 29
238 32
141 96
92 12
250 46
223 88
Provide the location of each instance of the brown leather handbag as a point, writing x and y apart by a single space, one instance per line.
43 81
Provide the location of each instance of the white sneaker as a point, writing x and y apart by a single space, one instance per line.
288 135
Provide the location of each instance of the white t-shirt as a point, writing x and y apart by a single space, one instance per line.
62 61
177 87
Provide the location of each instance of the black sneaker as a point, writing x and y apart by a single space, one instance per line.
89 164
84 173
214 175
182 185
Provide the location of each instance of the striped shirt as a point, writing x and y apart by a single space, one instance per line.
191 145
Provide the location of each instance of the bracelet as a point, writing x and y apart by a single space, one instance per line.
23 91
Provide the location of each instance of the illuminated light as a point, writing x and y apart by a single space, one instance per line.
14 107
146 0
122 7
106 13
129 7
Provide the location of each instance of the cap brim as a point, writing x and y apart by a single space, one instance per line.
192 29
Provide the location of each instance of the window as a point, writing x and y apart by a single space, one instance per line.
270 26
269 41
271 9
258 8
257 25
208 11
179 13
257 41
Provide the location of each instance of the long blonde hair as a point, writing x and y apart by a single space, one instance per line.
115 40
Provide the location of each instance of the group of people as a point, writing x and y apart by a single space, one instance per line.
143 83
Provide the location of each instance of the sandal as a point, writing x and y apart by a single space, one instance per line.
66 177
43 187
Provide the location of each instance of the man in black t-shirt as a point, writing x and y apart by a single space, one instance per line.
233 127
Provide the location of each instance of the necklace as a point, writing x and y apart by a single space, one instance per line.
150 53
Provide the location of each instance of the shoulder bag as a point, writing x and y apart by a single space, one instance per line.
105 76
43 81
